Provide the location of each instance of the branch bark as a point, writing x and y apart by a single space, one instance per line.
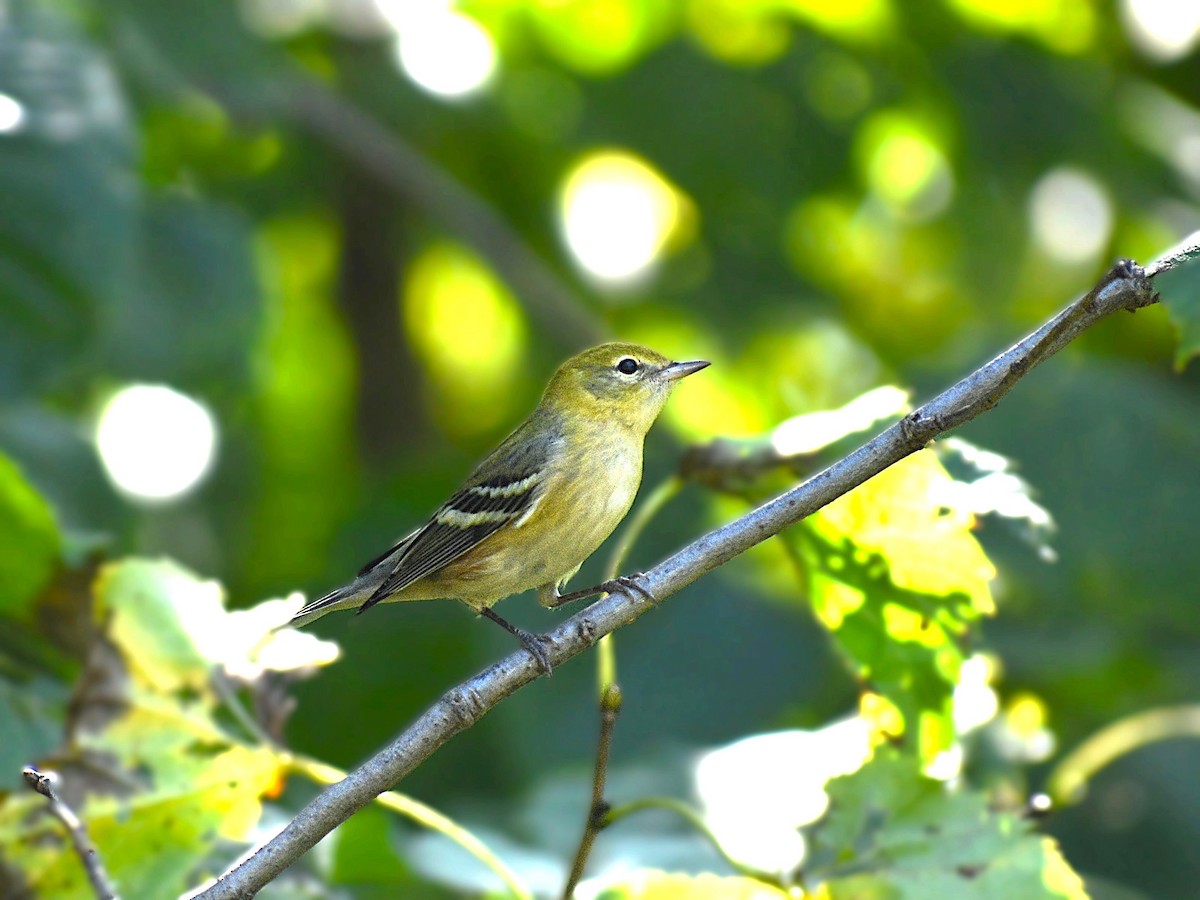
44 784
1126 287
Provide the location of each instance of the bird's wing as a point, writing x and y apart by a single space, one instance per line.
502 489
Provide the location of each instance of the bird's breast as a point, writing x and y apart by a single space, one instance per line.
584 504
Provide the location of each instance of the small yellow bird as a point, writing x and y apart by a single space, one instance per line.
539 504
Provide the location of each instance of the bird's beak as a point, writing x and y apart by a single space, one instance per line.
677 370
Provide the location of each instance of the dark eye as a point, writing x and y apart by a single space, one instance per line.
628 366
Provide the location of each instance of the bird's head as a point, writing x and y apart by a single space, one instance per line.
617 383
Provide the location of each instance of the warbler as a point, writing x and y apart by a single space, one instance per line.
539 504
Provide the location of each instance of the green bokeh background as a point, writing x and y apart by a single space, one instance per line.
237 209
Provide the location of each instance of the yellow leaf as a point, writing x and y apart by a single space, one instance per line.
929 548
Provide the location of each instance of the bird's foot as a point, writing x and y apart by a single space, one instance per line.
530 641
533 643
632 584
629 583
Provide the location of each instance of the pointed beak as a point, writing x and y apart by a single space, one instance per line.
677 370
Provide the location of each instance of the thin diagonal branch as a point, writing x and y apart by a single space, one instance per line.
1127 287
43 783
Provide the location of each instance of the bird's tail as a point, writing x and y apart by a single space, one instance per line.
357 592
348 597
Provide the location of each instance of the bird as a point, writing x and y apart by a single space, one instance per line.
538 505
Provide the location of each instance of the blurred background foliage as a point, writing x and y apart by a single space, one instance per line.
273 273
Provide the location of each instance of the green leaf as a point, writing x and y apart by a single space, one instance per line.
165 779
363 852
173 629
899 580
893 833
1180 291
30 547
152 843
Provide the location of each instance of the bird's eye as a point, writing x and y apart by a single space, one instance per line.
628 366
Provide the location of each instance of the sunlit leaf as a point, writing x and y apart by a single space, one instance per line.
928 547
898 579
893 833
174 627
165 777
758 791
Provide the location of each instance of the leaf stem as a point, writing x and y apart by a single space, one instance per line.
610 708
606 654
1068 781
323 773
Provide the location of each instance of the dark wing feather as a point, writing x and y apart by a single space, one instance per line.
399 545
485 504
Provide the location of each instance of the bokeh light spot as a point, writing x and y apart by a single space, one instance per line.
1066 26
1071 215
444 52
737 32
975 701
156 444
849 20
12 114
617 214
600 36
470 333
904 167
1023 733
1163 30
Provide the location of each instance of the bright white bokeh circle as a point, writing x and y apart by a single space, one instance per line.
156 444
12 114
1070 215
446 53
616 214
1163 30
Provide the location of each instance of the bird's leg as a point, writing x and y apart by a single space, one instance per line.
531 642
621 582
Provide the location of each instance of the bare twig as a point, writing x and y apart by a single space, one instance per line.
1126 287
44 784
610 708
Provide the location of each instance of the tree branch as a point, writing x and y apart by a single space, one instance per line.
43 783
1127 287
